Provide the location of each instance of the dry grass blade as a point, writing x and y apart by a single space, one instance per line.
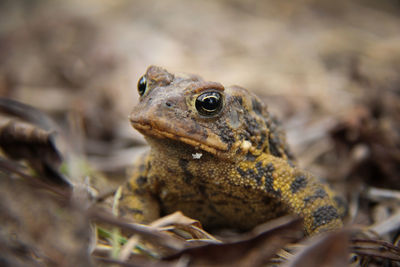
182 226
379 194
149 234
252 249
375 248
175 218
325 250
127 248
389 225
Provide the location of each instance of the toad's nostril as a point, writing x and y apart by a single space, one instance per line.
168 104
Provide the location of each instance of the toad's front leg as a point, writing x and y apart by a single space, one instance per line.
137 201
299 191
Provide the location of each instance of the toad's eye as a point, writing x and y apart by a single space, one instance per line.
142 85
209 103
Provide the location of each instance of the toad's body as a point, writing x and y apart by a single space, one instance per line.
218 156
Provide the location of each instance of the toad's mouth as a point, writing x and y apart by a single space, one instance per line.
206 141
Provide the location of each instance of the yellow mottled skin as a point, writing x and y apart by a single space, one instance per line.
217 155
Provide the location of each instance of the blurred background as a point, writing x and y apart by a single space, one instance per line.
329 70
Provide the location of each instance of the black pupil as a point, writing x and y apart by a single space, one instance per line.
142 84
209 103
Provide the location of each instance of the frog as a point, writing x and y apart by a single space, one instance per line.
217 155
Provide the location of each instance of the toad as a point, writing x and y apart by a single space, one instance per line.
219 156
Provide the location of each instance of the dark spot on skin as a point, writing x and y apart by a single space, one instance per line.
259 165
268 200
260 172
253 126
200 202
241 199
269 180
246 186
188 176
139 191
250 211
202 190
257 107
221 203
319 193
276 139
324 215
226 134
242 172
300 181
262 140
188 196
250 157
278 193
141 180
276 208
133 211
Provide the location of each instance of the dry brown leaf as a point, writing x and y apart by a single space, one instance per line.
26 113
325 250
252 249
22 141
175 218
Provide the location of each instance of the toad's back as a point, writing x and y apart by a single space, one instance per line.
217 155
